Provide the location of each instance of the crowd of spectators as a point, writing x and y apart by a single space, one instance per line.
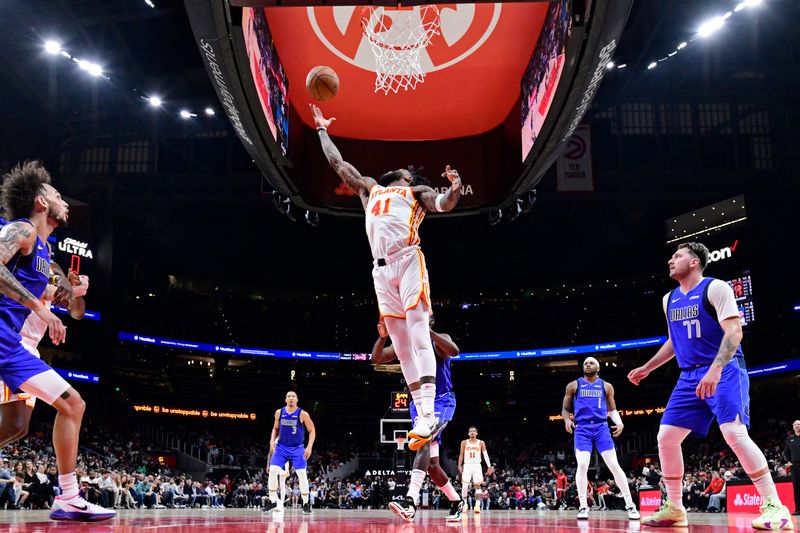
115 470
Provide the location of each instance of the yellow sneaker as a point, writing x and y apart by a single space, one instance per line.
667 516
774 515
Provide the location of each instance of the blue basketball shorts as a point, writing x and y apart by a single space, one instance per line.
731 399
590 435
288 453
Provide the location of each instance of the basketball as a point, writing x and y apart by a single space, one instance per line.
322 83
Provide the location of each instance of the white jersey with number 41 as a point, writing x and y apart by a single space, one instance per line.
393 219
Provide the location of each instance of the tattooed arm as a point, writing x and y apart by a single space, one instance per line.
350 176
21 237
731 339
16 237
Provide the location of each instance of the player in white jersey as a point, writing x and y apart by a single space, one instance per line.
395 205
473 451
16 408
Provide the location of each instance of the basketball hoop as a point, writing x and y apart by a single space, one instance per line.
400 438
396 37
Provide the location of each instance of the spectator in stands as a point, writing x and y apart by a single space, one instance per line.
717 499
356 497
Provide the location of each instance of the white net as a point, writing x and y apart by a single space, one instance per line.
396 37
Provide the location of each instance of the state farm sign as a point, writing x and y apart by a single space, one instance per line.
745 498
649 500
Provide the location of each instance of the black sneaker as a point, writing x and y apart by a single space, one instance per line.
306 508
456 508
269 506
405 509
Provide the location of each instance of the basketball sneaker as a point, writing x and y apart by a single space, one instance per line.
774 515
667 516
306 508
78 510
583 513
633 513
272 506
405 509
456 509
477 507
423 428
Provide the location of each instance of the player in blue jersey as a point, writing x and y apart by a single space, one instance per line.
286 444
427 457
705 332
35 209
592 401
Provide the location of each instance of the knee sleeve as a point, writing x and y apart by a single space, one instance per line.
750 456
303 480
420 335
610 458
398 332
669 449
582 474
274 472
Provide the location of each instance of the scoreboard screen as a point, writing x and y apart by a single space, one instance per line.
400 402
743 292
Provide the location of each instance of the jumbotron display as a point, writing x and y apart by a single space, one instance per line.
488 68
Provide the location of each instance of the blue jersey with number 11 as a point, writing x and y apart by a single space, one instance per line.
292 432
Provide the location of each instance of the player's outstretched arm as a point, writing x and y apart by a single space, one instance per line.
443 202
566 406
664 354
63 292
351 177
445 347
77 305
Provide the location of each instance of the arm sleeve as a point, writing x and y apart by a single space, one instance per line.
721 297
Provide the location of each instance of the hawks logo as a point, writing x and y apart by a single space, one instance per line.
463 29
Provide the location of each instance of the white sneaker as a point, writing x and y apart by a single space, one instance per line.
423 428
78 510
633 513
583 513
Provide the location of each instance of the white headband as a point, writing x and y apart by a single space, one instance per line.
592 360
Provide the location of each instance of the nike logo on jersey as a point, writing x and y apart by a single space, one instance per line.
675 300
39 248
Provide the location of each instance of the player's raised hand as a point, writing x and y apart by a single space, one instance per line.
708 385
452 175
319 120
617 430
636 375
382 331
569 425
